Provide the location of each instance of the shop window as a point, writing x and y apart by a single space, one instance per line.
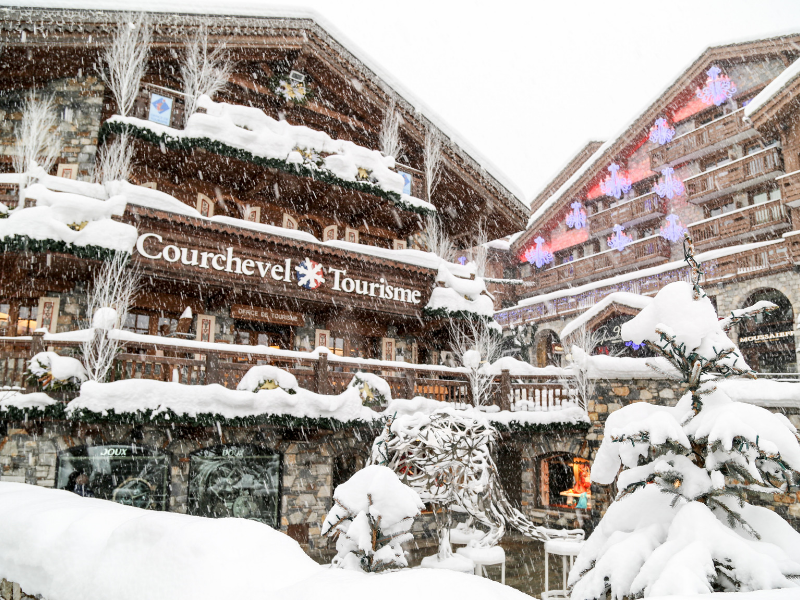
563 479
262 334
137 323
767 341
127 474
236 481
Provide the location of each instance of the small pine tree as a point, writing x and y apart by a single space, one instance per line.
680 523
371 516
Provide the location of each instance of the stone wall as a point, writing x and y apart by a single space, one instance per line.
611 395
79 105
12 591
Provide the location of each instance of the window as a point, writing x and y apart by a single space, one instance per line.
166 326
564 478
127 474
137 323
26 318
236 481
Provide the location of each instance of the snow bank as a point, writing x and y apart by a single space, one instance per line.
518 367
459 294
762 392
133 395
65 547
16 399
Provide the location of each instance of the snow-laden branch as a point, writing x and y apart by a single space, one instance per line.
115 160
390 132
476 345
204 71
124 61
742 314
432 156
37 142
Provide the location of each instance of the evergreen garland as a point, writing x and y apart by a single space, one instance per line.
23 244
57 412
187 144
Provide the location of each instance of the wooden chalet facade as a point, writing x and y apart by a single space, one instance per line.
613 219
269 217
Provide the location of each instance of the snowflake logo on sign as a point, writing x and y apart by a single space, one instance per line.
161 105
309 274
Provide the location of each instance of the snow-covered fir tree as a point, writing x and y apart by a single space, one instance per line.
372 515
680 523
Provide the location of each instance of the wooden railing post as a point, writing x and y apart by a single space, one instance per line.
37 346
321 374
505 390
213 374
411 383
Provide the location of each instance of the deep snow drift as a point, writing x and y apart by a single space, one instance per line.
65 547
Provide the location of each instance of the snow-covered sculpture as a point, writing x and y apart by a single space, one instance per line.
372 514
55 373
446 457
268 377
373 390
680 523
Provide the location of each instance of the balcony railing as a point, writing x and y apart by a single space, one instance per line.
642 252
702 140
790 188
771 256
734 175
638 210
733 224
327 374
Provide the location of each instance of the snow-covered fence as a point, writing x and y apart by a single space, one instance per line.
193 363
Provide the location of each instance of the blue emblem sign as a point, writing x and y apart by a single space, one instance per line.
160 109
406 182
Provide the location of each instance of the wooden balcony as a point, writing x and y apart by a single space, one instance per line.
638 210
769 257
734 176
790 188
749 221
641 253
703 140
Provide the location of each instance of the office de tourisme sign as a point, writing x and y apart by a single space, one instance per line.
307 273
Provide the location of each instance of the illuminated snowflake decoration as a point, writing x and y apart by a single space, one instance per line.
616 184
538 256
462 260
634 345
673 231
661 133
577 216
670 186
718 88
309 274
620 240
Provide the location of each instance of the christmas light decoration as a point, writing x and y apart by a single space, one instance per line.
718 88
674 230
577 216
661 133
620 240
616 184
538 256
462 260
670 186
634 345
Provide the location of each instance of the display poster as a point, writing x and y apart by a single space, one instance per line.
124 473
160 109
240 481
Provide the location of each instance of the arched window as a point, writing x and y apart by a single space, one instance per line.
236 481
125 473
767 342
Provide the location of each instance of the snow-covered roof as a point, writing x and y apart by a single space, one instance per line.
257 9
773 89
625 298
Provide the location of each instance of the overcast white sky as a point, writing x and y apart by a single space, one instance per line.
528 83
